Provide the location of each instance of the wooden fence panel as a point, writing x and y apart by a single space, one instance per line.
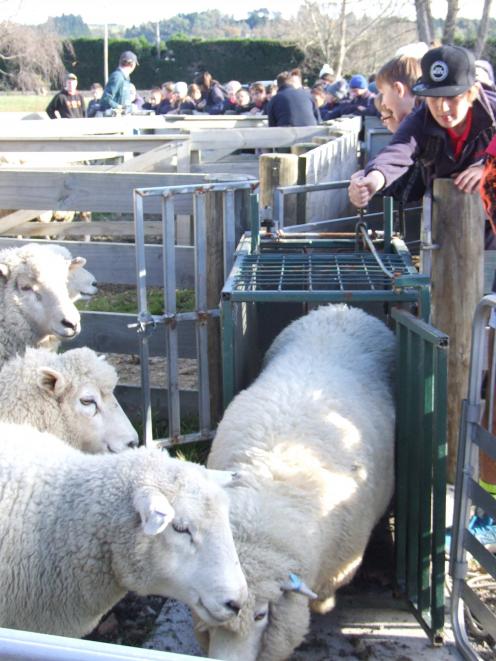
115 262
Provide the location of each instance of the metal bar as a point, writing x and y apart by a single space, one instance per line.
200 218
401 491
29 646
309 188
254 224
143 316
414 457
227 325
229 223
170 308
388 222
426 401
439 471
159 191
323 296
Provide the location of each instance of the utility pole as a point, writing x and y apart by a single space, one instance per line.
157 37
105 54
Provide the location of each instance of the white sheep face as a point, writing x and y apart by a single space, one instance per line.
193 554
38 289
94 419
269 627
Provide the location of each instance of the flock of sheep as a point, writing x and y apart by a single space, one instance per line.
300 471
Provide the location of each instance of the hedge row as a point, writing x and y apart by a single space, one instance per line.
180 59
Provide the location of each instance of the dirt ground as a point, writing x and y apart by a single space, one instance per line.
129 370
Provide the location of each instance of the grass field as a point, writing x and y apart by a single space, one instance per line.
10 102
23 102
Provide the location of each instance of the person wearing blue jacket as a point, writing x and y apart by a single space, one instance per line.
291 106
117 94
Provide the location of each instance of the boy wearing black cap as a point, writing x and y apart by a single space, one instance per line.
68 103
448 133
117 93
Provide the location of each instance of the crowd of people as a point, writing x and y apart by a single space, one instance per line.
286 101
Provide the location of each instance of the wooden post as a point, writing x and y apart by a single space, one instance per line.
457 286
278 170
215 282
300 148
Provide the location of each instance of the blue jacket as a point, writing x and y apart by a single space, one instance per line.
420 138
292 106
116 93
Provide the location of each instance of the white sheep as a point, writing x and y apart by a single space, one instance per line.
70 395
81 283
313 440
78 531
34 299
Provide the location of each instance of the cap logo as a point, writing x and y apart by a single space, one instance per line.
438 71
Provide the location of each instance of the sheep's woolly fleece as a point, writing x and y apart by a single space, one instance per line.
72 543
313 439
45 389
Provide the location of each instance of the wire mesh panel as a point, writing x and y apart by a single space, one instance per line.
421 374
315 272
470 497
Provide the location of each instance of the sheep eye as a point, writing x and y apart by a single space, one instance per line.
26 288
260 616
181 528
88 402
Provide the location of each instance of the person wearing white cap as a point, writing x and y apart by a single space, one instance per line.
116 95
180 102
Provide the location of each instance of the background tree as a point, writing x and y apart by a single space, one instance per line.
30 58
483 30
342 33
68 25
450 22
425 26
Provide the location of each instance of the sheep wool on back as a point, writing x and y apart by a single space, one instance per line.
313 441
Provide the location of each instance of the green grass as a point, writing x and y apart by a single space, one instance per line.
126 301
23 102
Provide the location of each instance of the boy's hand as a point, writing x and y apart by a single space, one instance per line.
362 188
468 181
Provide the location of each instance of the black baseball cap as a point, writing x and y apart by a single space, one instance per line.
128 56
446 71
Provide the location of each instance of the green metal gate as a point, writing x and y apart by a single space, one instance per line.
421 453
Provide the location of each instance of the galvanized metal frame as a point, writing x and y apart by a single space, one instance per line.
421 455
146 323
30 646
468 494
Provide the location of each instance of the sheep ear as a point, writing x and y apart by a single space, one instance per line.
154 509
51 381
4 271
77 263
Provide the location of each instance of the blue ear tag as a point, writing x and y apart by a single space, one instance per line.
295 582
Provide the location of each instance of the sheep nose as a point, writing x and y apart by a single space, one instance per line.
233 606
69 324
133 443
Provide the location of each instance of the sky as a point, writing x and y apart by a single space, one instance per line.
129 12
